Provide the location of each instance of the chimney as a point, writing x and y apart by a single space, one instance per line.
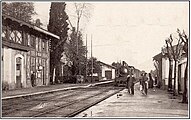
123 62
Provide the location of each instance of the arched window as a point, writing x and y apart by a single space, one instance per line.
18 72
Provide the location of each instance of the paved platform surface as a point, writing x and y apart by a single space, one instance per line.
42 89
156 104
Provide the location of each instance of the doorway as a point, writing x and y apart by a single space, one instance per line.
108 74
18 72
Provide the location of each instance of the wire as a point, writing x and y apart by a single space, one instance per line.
103 45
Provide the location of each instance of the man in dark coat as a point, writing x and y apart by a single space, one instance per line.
32 79
150 81
131 82
143 82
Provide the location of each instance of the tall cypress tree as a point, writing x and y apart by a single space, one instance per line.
58 26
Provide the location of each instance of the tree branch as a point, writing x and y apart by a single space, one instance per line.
177 46
169 56
185 36
82 10
180 36
77 10
170 42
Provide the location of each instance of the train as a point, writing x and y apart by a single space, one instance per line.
122 71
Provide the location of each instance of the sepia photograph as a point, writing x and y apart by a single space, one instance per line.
95 59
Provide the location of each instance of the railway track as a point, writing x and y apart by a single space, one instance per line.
12 105
60 104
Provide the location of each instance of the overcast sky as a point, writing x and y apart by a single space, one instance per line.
130 31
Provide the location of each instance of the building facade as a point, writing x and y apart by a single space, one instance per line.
158 65
25 49
107 71
181 73
163 71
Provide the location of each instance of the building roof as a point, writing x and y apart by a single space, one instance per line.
30 26
102 63
157 57
164 50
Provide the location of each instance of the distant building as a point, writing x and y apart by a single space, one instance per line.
107 71
158 65
25 49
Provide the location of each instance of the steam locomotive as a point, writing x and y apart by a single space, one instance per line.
122 71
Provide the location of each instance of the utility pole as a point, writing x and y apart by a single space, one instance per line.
92 62
78 65
86 57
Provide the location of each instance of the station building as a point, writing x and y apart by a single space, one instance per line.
107 71
25 49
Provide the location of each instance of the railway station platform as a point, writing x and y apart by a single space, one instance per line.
156 104
9 94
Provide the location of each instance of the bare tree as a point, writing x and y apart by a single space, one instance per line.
82 11
184 39
169 55
176 54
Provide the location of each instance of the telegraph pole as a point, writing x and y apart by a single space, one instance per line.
78 65
92 62
86 57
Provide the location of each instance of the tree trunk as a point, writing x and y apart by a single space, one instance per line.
174 92
51 74
184 96
170 76
52 66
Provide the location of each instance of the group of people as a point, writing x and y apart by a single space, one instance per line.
145 83
130 82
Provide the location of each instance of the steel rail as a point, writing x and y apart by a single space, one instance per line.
28 101
68 104
92 104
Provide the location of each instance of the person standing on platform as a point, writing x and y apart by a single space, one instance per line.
144 83
155 83
32 79
131 82
150 81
